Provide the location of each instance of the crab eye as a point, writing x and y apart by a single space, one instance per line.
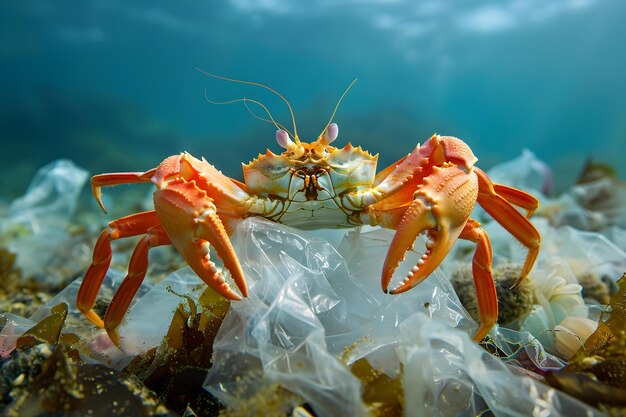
332 131
283 140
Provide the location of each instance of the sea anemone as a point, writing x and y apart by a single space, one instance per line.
555 299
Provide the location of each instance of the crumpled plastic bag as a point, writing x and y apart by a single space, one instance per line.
593 205
526 172
447 374
306 309
33 226
309 314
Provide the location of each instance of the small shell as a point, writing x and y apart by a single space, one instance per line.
572 333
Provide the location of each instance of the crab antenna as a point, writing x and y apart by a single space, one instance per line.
256 116
234 80
337 106
245 101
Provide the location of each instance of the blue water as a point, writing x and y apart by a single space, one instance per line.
113 85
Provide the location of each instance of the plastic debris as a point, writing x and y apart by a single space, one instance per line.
526 172
447 374
33 227
306 308
322 311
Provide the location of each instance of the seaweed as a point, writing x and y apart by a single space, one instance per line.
46 373
48 330
609 340
176 369
382 394
593 171
47 379
18 295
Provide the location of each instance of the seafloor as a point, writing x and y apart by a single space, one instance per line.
317 336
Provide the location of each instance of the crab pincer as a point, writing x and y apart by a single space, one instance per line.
189 216
436 212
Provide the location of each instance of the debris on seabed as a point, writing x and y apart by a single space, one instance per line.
316 336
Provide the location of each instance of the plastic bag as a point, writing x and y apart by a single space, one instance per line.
307 307
34 225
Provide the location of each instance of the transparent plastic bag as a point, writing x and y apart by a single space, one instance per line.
33 226
309 306
447 374
50 199
526 172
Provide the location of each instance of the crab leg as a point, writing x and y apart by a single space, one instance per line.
483 277
511 219
132 225
137 269
516 196
103 180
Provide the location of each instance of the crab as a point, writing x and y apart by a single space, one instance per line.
431 191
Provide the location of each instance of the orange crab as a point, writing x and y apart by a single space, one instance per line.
314 185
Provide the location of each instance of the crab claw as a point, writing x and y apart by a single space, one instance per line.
190 219
419 218
211 231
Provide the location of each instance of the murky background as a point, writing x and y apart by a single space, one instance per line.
114 86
